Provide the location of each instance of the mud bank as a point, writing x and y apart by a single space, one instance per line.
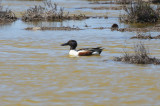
52 28
145 37
154 29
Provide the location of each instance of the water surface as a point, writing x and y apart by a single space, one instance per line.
36 70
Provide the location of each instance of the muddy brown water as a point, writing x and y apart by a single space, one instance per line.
36 70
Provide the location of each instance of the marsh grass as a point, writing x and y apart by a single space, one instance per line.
141 55
49 12
6 15
140 12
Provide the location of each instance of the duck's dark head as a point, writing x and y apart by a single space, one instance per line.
71 43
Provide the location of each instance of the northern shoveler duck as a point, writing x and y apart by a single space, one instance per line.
82 52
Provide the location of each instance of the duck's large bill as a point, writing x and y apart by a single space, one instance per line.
64 44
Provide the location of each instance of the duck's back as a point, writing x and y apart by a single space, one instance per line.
94 50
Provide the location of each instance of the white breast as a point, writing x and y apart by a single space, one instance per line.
73 53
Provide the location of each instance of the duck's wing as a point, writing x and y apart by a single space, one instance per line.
96 50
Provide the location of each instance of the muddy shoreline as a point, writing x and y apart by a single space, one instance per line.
52 28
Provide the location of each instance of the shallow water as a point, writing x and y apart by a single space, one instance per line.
36 70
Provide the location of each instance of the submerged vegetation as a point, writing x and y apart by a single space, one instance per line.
140 56
140 12
6 15
50 12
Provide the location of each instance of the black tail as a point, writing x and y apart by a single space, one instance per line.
98 49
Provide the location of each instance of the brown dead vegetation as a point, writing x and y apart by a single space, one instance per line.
120 1
115 27
104 8
111 1
50 12
140 56
101 28
97 2
6 15
52 28
139 29
109 8
140 12
139 36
